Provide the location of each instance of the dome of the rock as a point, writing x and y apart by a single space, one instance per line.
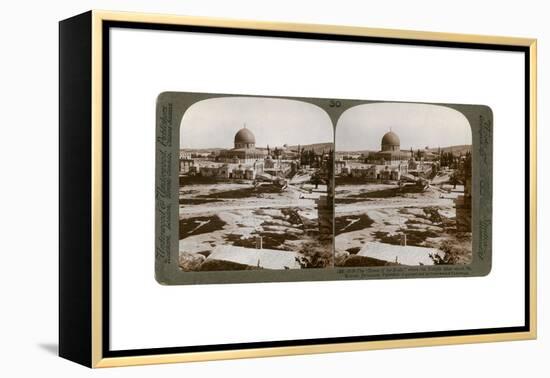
390 142
244 138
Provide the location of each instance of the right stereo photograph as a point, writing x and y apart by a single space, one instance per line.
403 186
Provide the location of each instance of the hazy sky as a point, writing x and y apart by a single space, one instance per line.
417 125
213 123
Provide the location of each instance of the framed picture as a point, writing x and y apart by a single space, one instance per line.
234 189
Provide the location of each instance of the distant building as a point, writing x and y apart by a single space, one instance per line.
348 155
185 154
269 162
427 155
231 170
390 151
390 163
243 161
376 172
340 167
244 149
186 164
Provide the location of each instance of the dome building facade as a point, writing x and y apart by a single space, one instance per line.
390 142
244 150
390 150
244 138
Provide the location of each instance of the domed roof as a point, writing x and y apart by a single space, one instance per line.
391 138
244 136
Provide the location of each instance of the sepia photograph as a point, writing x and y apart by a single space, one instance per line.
255 185
403 186
270 189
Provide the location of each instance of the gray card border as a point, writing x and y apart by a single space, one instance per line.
170 108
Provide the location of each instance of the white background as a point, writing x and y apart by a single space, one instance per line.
275 311
29 192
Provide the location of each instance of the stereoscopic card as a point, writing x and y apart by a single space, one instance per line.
268 189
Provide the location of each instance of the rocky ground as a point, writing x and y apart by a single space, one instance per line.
384 212
229 213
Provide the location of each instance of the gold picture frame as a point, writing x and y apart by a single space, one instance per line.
83 329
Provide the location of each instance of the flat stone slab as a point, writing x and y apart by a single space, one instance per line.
312 196
263 258
321 188
405 255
